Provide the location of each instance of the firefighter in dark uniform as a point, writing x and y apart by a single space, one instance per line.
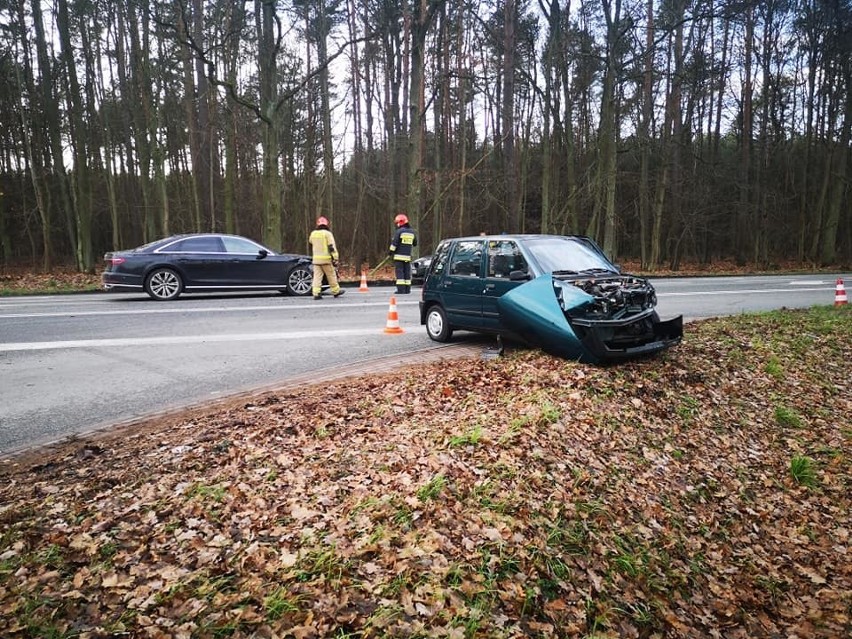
402 244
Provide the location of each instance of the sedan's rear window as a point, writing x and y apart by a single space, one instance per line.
201 244
241 245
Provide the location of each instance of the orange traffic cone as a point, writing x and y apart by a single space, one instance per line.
392 325
363 288
840 294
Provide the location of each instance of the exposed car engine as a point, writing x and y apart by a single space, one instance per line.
617 297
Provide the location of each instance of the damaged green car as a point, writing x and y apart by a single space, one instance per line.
559 293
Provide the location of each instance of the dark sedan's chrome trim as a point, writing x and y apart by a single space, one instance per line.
108 286
252 287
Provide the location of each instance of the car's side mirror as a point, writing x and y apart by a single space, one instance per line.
262 253
519 276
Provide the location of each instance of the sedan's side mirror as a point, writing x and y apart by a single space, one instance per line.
519 276
262 253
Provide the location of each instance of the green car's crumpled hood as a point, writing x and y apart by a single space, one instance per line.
533 312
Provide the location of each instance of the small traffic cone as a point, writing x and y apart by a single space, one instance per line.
392 325
363 288
840 294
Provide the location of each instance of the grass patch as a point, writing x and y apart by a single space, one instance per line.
433 488
279 603
471 437
803 471
785 416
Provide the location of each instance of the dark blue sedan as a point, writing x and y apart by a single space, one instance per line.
203 263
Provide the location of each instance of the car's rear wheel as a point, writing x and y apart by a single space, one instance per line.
437 326
299 280
164 284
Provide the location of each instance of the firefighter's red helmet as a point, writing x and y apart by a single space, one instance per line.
322 221
401 219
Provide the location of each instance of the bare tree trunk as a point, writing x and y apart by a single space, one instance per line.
745 228
142 109
840 176
644 136
604 216
268 41
326 202
79 137
41 192
677 139
235 22
190 98
358 143
108 150
54 133
569 212
421 22
507 125
549 57
207 169
815 41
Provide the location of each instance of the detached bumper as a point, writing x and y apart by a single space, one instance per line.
619 340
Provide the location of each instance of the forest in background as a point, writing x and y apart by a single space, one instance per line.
669 131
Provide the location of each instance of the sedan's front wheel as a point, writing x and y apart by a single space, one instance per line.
164 284
299 280
437 326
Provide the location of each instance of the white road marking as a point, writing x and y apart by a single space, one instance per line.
209 309
756 291
189 339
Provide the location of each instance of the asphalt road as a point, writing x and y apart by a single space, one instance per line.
74 363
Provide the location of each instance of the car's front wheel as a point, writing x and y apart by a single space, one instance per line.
437 326
299 280
164 284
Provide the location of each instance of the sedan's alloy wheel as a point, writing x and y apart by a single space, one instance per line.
299 281
164 284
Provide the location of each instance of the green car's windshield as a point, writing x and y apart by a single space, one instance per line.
568 256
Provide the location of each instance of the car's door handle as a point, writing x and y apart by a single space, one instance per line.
489 286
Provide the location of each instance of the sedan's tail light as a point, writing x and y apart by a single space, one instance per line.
115 261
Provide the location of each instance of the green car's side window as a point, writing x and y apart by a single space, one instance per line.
503 258
439 259
467 258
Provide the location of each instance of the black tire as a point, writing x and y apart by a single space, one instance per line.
299 280
437 326
164 284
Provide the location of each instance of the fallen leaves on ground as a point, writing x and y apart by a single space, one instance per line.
701 493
